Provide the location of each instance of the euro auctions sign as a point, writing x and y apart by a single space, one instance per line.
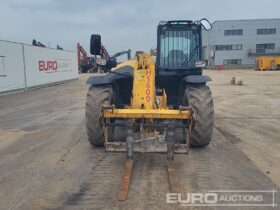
47 65
225 198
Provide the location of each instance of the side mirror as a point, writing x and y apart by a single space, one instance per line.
206 24
95 44
153 51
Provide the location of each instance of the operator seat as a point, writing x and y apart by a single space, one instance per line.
175 58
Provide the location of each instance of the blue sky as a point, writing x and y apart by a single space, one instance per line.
123 24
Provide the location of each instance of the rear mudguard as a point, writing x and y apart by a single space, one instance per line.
197 79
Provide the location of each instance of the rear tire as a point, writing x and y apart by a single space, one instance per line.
96 97
200 98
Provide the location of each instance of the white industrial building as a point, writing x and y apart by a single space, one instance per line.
237 43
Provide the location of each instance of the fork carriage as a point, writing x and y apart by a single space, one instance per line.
148 136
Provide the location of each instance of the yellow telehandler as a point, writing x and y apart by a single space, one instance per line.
143 105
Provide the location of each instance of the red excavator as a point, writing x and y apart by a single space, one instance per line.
85 63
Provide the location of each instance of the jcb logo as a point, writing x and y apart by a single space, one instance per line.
47 65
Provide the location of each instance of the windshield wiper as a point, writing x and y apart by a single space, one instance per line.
186 62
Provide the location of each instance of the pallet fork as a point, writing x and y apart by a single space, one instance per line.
161 143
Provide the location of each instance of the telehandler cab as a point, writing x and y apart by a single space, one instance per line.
145 106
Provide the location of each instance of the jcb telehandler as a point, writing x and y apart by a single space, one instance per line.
146 106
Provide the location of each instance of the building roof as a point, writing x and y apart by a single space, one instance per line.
246 20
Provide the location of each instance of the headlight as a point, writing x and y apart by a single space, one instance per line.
200 64
101 61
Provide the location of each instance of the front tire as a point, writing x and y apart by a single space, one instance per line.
200 98
96 97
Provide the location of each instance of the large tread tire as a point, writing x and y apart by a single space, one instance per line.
200 98
96 97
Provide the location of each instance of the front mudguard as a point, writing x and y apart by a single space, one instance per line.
124 72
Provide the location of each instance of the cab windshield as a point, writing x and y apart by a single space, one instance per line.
178 49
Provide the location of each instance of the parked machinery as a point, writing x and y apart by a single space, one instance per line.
38 44
85 63
91 64
106 62
268 63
